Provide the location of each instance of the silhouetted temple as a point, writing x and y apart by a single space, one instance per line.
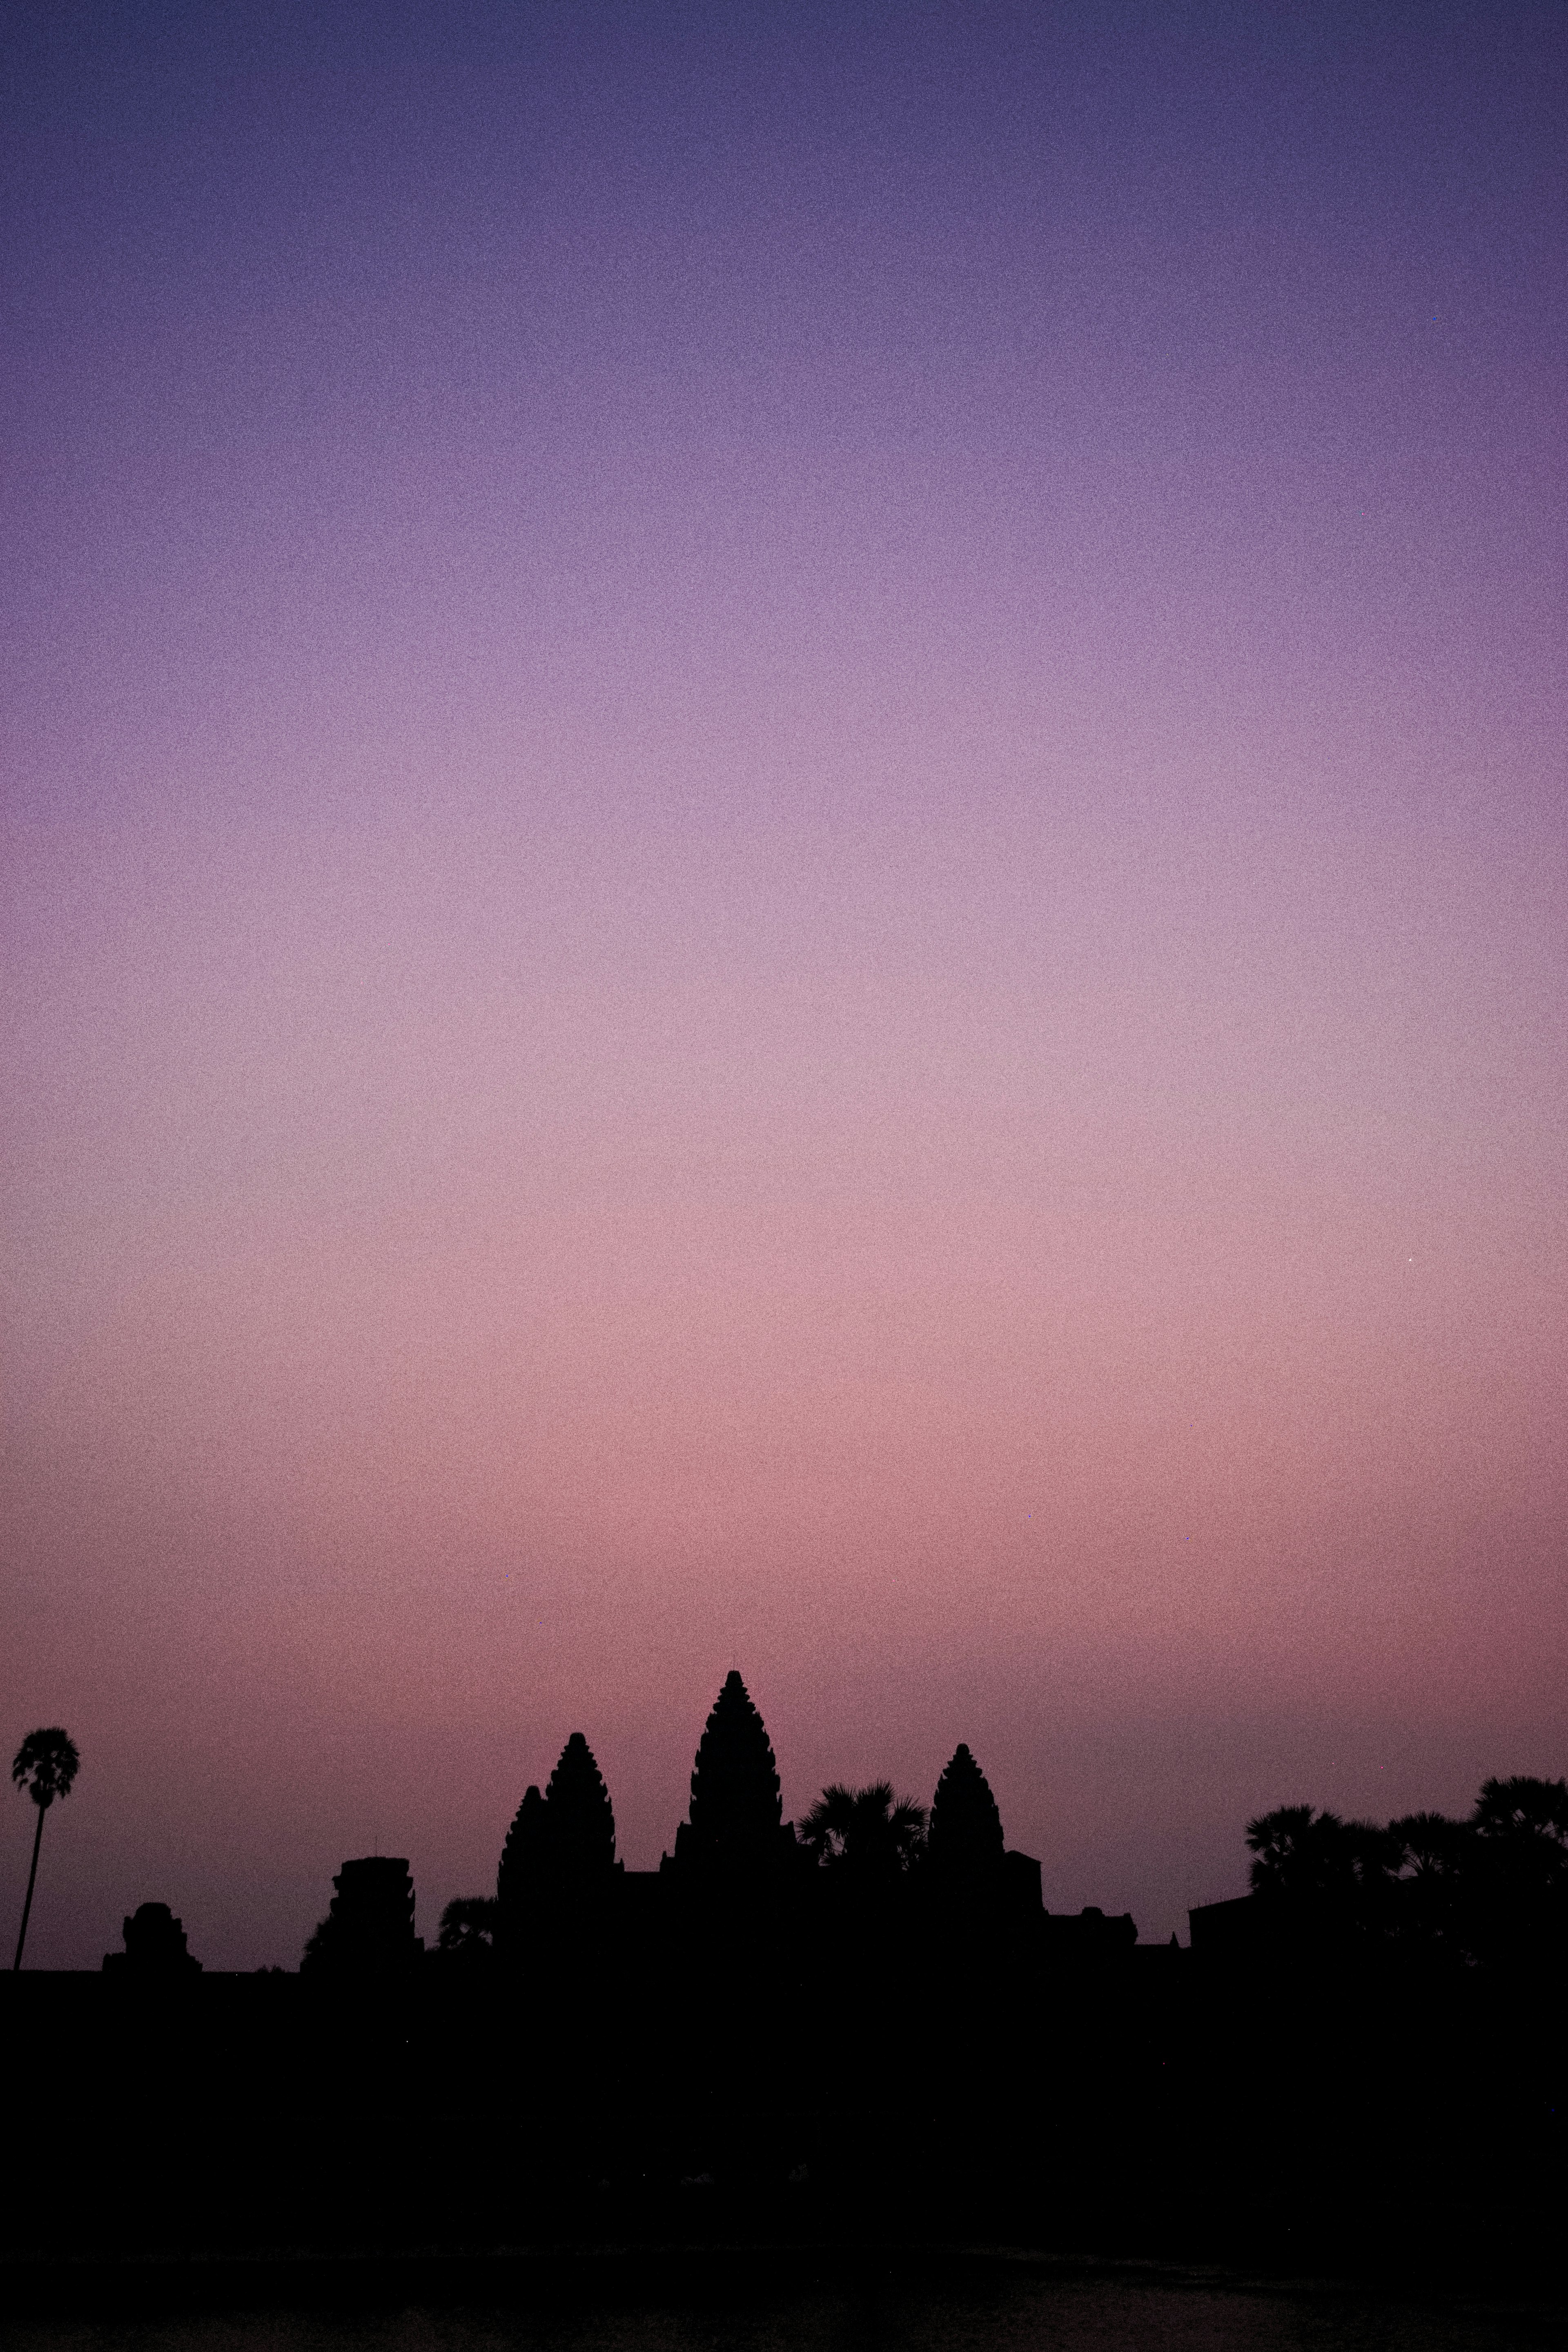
154 1946
967 1848
735 1830
369 1929
560 1852
558 1874
864 2023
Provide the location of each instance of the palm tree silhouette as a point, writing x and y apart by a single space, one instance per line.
45 1765
867 1834
467 1925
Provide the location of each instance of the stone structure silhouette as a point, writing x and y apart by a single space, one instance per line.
522 1868
154 1946
835 2030
369 1929
579 1823
735 1828
964 1844
560 1852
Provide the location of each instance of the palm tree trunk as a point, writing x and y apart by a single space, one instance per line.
32 1881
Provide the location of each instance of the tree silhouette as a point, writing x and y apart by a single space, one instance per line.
867 1837
1520 1902
1490 1890
1530 1814
1435 1848
45 1766
1434 1899
1279 1843
467 1923
1331 1874
964 1841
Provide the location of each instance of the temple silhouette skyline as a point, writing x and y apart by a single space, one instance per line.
1465 1893
861 2025
558 1867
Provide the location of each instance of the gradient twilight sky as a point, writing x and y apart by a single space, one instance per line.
785 884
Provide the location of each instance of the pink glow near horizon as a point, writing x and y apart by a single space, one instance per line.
825 936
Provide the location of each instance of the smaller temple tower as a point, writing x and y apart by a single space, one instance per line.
369 1929
560 1852
154 1946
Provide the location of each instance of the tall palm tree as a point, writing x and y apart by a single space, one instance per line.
45 1765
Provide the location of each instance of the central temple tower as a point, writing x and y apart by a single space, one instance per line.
736 1828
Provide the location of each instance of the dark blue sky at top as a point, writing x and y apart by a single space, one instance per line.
164 149
253 253
744 179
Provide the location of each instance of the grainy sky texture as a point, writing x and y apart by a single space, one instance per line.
785 885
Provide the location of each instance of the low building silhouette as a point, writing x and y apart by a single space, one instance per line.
1088 1937
1237 1930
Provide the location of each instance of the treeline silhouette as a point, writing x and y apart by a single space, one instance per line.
1488 1891
864 2024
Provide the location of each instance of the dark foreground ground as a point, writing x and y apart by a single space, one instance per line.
601 2146
774 2300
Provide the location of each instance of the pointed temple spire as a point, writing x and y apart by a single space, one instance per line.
966 1837
577 1810
562 1842
522 1857
737 1812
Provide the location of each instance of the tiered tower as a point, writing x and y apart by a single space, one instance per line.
736 1828
964 1843
369 1929
560 1852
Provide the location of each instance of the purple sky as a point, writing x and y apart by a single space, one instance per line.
785 885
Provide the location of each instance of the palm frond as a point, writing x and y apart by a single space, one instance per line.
46 1764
